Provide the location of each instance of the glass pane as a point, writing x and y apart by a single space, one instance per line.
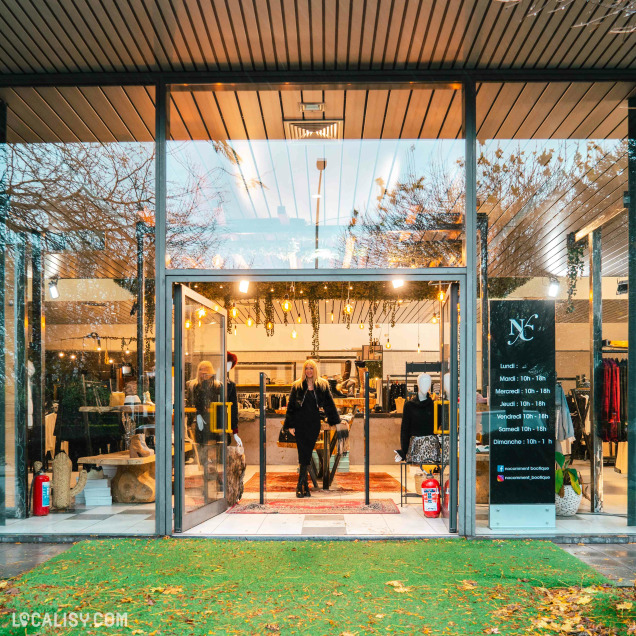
356 178
206 417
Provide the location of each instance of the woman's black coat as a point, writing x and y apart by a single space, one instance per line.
323 397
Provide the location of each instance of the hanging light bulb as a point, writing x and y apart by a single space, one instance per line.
294 334
348 307
400 301
249 322
201 312
361 325
216 307
99 344
441 296
270 325
110 361
73 356
419 350
61 354
234 329
188 324
286 304
388 344
234 311
434 319
299 320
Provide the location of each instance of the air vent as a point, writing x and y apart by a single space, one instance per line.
321 129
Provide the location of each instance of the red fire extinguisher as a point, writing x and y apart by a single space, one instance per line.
431 497
41 494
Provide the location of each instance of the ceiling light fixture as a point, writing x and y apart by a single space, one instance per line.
249 322
234 311
61 354
53 290
361 325
286 304
397 283
294 334
244 285
553 288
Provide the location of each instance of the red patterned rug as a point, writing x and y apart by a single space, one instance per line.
315 507
343 482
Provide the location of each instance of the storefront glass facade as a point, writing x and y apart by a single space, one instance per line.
145 183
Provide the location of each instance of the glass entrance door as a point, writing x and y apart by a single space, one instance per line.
201 413
449 406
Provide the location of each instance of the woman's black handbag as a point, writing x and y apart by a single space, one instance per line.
285 438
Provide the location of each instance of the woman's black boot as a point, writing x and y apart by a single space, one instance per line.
305 482
300 491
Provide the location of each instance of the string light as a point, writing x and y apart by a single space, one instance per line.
249 322
348 307
73 356
234 329
361 325
286 304
234 311
188 324
441 296
294 334
299 320
201 312
434 319
61 354
270 325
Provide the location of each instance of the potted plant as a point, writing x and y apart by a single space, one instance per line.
567 486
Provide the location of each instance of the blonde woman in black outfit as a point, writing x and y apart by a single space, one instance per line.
309 401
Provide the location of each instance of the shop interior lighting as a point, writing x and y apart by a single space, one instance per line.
299 320
622 287
286 304
216 307
99 344
244 285
73 356
553 289
61 354
397 283
201 312
234 311
110 361
312 107
434 319
188 324
388 344
294 334
53 290
234 329
249 322
361 325
441 296
269 325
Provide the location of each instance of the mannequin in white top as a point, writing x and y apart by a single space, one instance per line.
417 417
424 385
446 385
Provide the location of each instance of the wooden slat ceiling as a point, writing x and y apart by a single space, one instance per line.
231 35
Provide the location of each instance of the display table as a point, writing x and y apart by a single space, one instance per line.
134 481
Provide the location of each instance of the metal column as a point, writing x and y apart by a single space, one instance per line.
179 413
452 408
468 325
21 379
141 296
3 371
631 356
262 441
163 327
482 224
366 439
37 446
596 369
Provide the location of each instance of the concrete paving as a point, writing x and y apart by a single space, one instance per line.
615 561
17 558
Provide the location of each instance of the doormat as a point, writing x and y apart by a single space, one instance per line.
343 482
316 507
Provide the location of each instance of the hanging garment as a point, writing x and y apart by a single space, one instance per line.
564 427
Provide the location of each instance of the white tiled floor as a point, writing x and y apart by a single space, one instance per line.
409 522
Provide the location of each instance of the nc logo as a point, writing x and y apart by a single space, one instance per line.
518 329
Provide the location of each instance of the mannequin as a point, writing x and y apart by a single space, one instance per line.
446 383
417 417
232 397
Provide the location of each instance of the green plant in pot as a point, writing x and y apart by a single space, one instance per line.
567 486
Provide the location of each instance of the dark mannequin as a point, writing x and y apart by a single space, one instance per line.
418 416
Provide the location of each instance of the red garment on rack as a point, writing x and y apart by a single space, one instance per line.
611 400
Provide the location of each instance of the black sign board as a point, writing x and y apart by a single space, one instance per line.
522 401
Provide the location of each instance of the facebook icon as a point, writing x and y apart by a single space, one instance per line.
500 469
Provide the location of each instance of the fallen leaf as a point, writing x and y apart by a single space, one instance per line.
468 585
380 615
624 606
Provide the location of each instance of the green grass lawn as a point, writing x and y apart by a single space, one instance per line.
200 586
